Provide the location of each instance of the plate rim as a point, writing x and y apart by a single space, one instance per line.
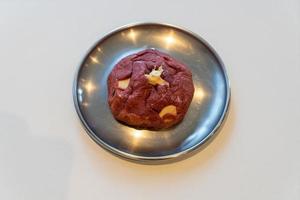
151 159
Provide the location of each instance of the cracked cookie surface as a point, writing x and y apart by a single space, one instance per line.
150 89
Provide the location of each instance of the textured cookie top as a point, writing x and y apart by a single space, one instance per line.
150 89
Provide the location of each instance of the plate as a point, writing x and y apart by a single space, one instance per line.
204 117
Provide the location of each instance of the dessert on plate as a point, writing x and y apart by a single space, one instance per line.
150 89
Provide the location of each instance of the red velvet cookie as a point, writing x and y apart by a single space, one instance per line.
150 89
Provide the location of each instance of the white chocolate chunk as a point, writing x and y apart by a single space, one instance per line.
123 84
170 109
154 77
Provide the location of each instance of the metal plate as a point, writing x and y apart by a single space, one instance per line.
206 112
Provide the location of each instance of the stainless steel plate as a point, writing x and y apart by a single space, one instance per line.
206 112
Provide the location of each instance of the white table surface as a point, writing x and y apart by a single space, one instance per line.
45 153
